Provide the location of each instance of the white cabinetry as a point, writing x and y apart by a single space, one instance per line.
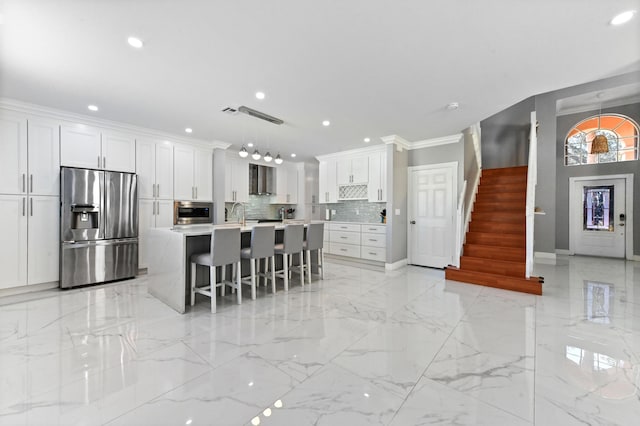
352 170
89 147
192 173
152 214
377 187
154 165
236 180
327 182
286 184
29 201
364 241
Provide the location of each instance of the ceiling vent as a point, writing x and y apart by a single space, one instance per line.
261 115
230 110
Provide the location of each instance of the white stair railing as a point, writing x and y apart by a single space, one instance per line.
460 225
532 177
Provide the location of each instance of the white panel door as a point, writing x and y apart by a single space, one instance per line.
146 221
431 216
80 146
13 250
183 187
118 152
164 170
360 170
203 174
599 214
13 153
146 167
44 157
44 239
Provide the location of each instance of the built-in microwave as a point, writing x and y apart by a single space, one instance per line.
192 212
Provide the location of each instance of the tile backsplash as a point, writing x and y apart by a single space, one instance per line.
258 207
356 211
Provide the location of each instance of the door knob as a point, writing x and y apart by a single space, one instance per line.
413 222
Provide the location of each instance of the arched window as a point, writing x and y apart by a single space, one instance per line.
622 138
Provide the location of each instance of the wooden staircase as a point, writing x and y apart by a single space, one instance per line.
494 252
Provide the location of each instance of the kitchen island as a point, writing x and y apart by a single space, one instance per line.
169 251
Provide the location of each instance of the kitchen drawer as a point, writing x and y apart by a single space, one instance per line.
326 236
344 249
374 253
373 240
345 237
374 229
351 227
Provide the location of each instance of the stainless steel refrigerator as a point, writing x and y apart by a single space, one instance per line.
98 226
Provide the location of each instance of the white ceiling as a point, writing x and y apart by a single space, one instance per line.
372 67
620 95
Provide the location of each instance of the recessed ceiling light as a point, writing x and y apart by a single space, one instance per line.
135 42
293 155
188 130
623 17
453 105
260 95
92 108
250 144
367 140
326 123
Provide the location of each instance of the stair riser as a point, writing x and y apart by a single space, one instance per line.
499 253
506 171
497 240
493 189
493 266
503 282
503 196
499 217
495 180
516 207
497 227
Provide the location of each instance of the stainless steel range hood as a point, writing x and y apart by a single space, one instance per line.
261 180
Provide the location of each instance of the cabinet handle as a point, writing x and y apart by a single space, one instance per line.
343 249
158 190
372 240
371 253
23 183
31 205
192 192
344 238
153 208
24 201
31 183
153 189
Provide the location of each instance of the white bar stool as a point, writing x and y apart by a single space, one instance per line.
262 247
292 243
314 242
225 250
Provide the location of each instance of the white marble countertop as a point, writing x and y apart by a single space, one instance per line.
355 223
195 230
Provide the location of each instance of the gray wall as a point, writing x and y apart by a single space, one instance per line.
397 163
545 226
563 173
505 136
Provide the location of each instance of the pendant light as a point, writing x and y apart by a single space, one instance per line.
268 157
243 152
256 155
599 143
278 159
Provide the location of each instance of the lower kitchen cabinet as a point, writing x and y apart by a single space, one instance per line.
362 241
151 214
31 240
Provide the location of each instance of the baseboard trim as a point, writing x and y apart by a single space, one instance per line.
395 265
564 252
636 257
544 255
12 295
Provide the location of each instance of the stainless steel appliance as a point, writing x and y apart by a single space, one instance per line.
192 212
261 180
98 226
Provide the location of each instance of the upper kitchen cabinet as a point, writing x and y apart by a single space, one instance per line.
352 170
29 155
154 165
192 173
236 180
13 153
89 147
286 184
377 187
328 187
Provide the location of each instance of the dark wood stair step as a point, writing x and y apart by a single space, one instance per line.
493 239
496 197
494 180
502 187
532 285
501 171
494 266
492 206
512 254
499 217
500 227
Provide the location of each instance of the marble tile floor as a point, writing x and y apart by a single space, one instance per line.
361 347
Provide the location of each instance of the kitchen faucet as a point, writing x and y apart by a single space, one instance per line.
244 223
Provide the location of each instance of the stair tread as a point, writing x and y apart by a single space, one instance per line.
528 285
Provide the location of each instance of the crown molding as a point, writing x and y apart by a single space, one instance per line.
428 143
398 141
352 152
57 114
